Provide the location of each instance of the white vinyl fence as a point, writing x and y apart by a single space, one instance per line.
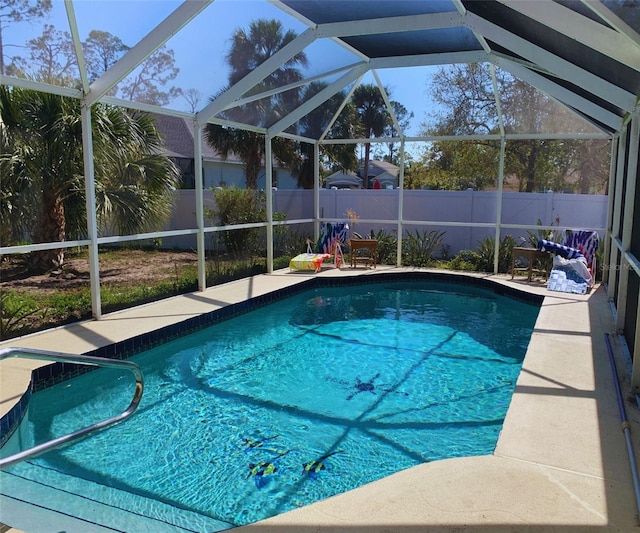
425 211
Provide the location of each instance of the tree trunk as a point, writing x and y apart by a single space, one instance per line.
531 168
365 171
50 228
253 159
1 52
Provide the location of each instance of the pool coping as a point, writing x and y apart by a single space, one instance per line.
560 459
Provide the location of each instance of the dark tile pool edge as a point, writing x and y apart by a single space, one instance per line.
460 279
12 419
49 375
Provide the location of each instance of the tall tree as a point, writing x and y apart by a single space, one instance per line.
373 116
249 49
12 11
101 50
465 94
403 116
52 59
134 180
193 98
15 189
313 125
146 84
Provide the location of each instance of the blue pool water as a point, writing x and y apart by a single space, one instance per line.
297 401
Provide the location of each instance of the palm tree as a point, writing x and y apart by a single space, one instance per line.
248 51
313 124
373 116
403 116
14 188
134 180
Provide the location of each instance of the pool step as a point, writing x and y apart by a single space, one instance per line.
41 500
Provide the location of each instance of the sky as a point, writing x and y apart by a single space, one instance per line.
200 47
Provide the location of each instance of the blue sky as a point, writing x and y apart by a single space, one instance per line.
200 47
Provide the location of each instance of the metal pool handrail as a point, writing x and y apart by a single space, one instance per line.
44 355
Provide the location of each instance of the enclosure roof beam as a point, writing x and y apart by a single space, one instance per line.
318 99
428 21
558 92
285 88
555 65
147 45
77 45
426 60
310 24
613 20
46 88
269 66
345 101
387 103
584 30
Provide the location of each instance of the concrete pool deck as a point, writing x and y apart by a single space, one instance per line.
561 463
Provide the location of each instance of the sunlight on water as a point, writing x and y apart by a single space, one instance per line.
295 402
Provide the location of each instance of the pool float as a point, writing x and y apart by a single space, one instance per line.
313 468
264 468
256 443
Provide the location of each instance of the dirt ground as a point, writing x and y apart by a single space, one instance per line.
124 268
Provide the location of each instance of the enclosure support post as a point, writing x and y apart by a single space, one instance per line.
617 208
400 203
613 156
268 187
627 223
316 190
199 185
496 96
496 251
90 202
635 369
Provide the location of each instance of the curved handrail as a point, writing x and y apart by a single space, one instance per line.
60 357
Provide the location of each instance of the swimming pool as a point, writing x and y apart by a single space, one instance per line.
294 402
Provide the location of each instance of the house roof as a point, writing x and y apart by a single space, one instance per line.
177 133
387 177
343 179
376 168
178 138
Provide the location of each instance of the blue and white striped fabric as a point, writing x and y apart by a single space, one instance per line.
586 241
559 249
566 279
574 261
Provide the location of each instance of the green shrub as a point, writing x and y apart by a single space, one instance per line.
282 261
218 272
244 206
15 310
238 206
486 251
64 306
387 245
467 260
419 249
288 242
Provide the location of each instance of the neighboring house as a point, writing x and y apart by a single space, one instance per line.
178 137
386 174
343 180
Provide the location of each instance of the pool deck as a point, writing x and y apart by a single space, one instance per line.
561 463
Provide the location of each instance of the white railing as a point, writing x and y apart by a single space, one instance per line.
79 359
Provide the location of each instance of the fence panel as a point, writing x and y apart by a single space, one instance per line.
470 207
